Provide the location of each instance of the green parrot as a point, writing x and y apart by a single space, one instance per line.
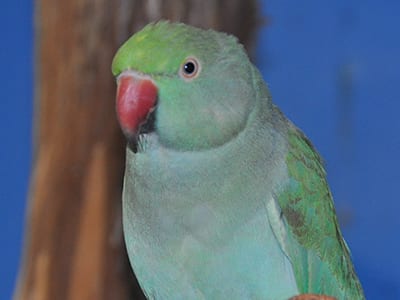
224 198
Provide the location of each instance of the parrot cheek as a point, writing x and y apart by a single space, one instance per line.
136 99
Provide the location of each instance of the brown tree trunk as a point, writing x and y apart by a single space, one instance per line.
74 246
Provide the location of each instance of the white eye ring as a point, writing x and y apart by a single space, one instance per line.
190 68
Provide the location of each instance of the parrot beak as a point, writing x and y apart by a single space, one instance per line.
136 99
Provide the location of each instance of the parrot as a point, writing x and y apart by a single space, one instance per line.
223 197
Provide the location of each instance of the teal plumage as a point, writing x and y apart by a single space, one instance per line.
224 197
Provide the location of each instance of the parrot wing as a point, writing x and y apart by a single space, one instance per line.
304 222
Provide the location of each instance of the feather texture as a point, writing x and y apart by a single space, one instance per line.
225 198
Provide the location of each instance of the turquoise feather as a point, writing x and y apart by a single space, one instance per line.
226 199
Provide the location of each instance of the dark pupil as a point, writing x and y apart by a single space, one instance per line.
189 68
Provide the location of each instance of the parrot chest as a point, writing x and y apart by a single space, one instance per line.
202 230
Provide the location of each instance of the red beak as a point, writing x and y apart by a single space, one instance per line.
136 99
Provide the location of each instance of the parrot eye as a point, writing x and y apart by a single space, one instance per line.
190 69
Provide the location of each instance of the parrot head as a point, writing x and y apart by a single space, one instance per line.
192 88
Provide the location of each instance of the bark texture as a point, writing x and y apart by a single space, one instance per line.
74 247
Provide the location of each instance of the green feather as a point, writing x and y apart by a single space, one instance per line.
160 48
306 203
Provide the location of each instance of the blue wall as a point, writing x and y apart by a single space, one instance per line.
15 133
332 67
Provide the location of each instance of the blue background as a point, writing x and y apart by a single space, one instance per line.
334 69
16 93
